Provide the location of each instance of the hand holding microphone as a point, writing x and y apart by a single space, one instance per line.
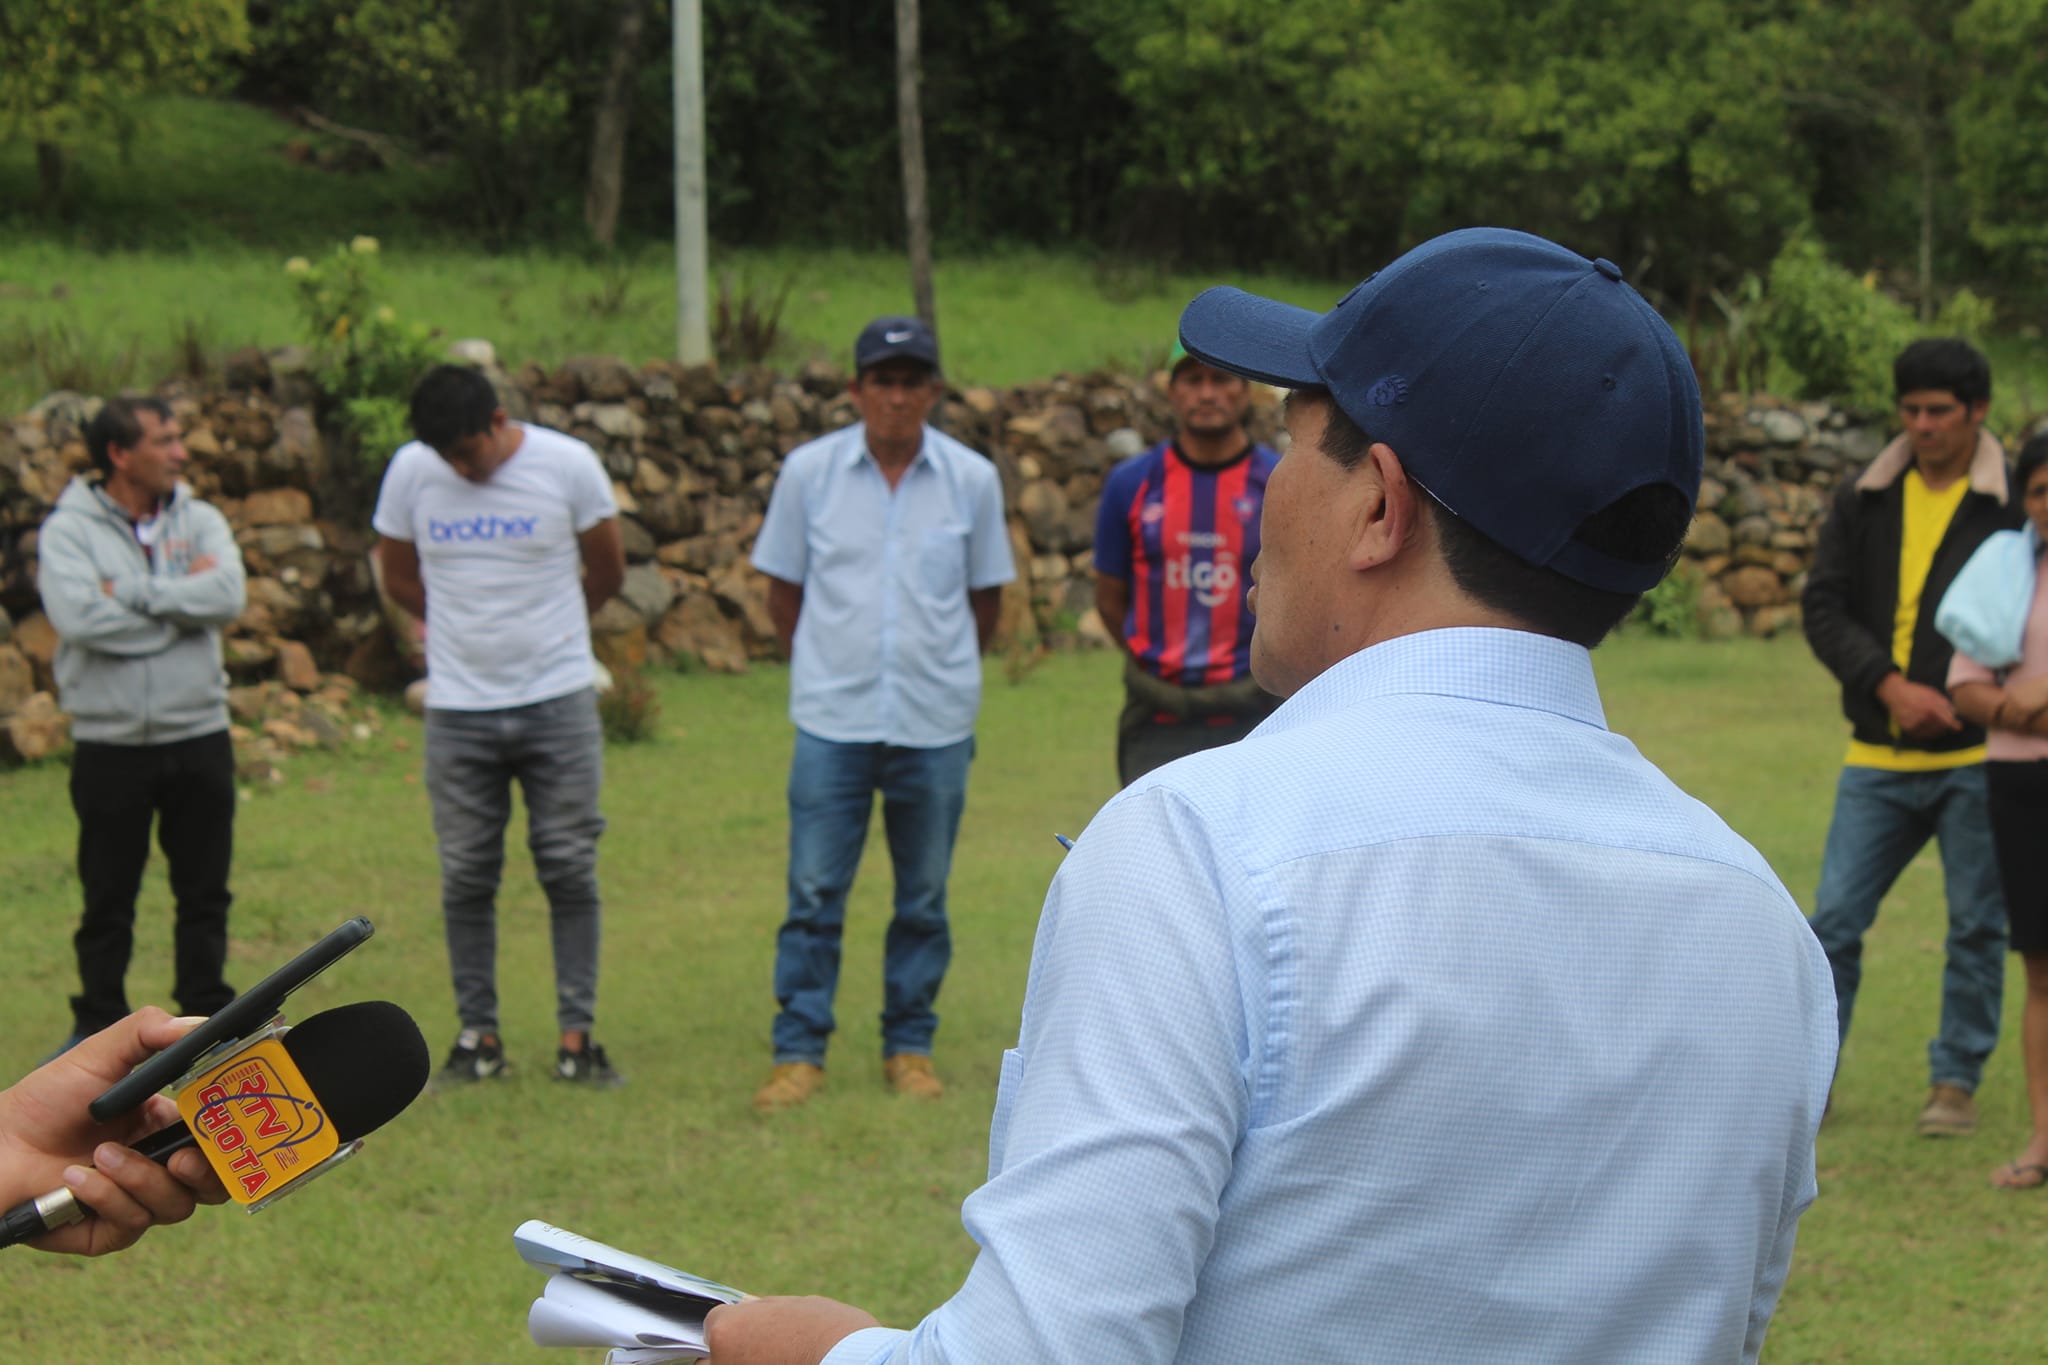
266 1106
49 1141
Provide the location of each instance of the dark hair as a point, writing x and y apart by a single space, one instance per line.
1646 525
451 402
119 423
2033 455
1945 363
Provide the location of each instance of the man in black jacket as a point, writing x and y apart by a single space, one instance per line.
1895 538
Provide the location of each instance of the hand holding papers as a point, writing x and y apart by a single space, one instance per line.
597 1295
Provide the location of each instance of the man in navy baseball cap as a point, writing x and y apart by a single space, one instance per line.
1429 1021
894 338
1536 403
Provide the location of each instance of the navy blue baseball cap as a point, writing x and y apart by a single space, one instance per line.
891 338
1524 386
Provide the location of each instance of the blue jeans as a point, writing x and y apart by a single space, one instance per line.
1882 820
555 750
831 791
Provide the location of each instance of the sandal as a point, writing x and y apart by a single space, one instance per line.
2019 1176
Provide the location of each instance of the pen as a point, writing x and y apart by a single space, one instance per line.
1065 842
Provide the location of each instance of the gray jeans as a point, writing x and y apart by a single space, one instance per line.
555 749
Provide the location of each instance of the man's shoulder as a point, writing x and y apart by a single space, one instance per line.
553 444
405 462
1127 474
187 500
808 458
199 513
954 452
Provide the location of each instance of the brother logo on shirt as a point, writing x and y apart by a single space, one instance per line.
481 528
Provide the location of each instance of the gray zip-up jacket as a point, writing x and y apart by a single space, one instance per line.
139 664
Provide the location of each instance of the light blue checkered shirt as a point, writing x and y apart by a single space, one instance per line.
1430 1022
886 650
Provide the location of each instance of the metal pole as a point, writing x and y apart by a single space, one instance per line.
693 332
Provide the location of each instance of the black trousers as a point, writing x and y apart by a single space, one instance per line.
188 790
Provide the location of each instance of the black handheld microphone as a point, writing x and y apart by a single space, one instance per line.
363 1062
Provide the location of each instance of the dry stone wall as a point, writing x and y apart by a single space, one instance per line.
692 456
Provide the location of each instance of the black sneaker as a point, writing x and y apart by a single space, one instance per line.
475 1057
588 1067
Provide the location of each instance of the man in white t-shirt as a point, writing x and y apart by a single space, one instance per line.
509 533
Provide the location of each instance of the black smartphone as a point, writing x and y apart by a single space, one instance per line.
248 1012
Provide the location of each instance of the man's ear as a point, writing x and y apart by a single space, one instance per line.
1389 511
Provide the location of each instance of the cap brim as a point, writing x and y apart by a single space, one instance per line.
1258 338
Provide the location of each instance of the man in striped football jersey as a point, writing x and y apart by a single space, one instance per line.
1174 542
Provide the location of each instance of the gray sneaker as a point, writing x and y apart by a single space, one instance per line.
476 1056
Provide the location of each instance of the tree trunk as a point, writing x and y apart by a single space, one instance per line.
910 124
50 173
608 138
1927 149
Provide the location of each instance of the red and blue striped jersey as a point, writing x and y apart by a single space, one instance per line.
1184 538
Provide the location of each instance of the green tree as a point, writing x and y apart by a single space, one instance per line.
1629 129
2001 122
1876 83
1333 132
75 68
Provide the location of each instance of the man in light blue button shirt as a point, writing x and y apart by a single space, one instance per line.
1429 1021
886 552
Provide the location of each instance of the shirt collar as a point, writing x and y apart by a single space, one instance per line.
857 448
1504 667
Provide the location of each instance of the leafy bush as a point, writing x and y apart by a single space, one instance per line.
365 358
746 320
1838 334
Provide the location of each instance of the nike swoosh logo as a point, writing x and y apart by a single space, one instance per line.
894 337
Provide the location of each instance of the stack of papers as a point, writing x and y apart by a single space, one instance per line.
596 1295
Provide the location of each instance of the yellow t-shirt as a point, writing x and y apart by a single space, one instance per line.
1927 515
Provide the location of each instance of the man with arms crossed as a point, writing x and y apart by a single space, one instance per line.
886 553
1898 533
1430 1021
139 577
1177 529
490 522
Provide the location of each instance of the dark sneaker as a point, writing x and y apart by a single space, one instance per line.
588 1067
475 1057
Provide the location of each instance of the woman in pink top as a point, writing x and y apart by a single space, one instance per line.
2012 704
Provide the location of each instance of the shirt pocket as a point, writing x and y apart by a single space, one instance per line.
999 1122
942 563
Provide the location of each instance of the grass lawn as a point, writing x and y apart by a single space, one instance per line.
185 240
91 320
406 1256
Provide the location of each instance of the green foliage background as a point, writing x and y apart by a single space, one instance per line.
74 68
1687 139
